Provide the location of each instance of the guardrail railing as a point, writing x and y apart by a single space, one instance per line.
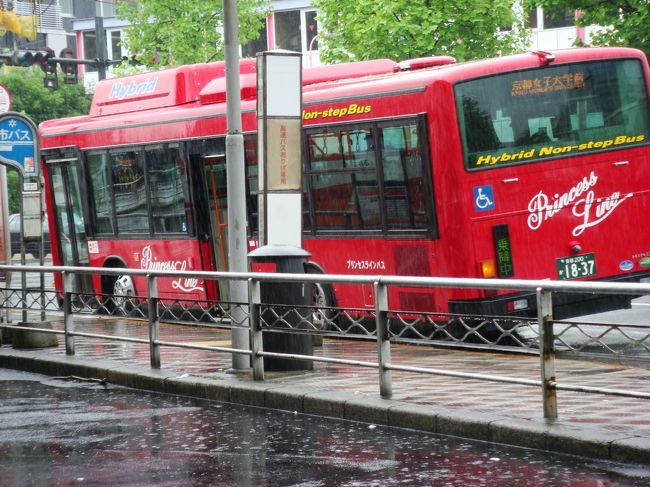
380 323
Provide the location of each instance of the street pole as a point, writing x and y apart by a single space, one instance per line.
236 181
100 47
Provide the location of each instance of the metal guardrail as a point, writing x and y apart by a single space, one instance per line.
387 324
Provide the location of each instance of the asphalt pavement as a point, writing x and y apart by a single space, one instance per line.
591 425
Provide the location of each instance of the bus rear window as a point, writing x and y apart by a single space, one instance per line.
556 111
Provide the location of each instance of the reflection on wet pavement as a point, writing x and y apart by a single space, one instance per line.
66 432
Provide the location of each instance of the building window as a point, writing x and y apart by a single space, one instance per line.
555 18
531 18
67 7
287 30
311 27
90 51
105 8
114 44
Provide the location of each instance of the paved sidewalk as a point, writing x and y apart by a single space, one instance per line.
595 425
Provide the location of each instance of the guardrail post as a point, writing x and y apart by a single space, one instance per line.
547 352
254 304
383 341
68 318
154 322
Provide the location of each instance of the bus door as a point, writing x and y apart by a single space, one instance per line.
65 177
214 170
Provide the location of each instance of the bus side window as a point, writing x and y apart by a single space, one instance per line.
404 187
168 190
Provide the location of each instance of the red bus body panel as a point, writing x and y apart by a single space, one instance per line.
614 231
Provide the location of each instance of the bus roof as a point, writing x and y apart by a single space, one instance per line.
162 94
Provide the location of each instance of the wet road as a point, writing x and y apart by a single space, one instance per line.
65 432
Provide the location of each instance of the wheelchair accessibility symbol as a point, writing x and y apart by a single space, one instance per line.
483 198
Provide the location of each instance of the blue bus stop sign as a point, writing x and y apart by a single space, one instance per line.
19 143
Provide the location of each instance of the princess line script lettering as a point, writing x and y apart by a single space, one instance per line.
150 263
589 210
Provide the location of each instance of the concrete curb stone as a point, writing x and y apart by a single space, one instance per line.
563 438
423 418
635 449
518 432
466 424
330 404
368 409
199 387
287 398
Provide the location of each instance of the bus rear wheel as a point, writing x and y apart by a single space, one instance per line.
323 303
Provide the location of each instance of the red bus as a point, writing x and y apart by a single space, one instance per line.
528 166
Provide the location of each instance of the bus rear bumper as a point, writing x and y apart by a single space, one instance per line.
565 305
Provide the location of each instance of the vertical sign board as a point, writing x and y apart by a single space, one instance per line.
19 149
5 99
279 114
19 143
5 236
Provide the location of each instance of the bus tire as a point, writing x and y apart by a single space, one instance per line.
124 294
324 301
119 293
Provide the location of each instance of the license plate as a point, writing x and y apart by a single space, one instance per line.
576 266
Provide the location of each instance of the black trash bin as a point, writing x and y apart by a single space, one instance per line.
285 296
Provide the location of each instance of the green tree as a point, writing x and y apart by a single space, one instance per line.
31 98
175 32
404 29
13 190
623 23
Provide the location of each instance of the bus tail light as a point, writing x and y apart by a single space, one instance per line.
488 269
517 305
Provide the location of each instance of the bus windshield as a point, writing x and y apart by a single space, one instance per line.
556 111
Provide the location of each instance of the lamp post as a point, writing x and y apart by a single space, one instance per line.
236 181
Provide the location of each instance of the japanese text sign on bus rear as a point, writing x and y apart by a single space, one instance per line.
19 143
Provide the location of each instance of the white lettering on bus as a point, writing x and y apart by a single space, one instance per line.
603 208
542 208
150 263
120 90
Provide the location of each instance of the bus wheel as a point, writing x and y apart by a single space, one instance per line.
124 294
323 302
319 300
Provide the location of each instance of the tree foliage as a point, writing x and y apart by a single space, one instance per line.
174 32
623 23
404 29
30 98
13 190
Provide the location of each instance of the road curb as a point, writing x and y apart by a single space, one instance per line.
536 433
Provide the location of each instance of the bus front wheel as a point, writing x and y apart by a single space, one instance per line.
124 294
118 295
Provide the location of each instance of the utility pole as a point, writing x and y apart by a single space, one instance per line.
100 47
236 181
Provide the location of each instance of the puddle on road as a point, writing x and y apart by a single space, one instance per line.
64 432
